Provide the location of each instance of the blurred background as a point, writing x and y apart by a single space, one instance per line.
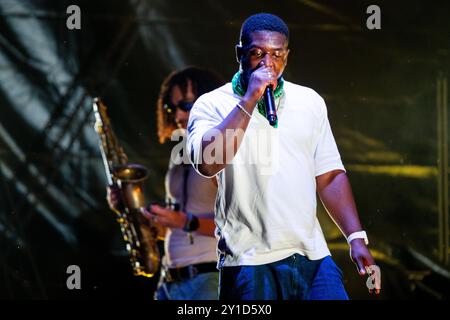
386 92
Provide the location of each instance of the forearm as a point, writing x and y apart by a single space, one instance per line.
206 227
228 136
337 197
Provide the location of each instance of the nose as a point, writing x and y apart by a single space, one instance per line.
267 60
179 114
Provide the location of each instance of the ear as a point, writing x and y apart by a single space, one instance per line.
239 52
286 59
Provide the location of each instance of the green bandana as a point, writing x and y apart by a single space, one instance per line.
239 90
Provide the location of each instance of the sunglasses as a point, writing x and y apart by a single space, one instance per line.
185 106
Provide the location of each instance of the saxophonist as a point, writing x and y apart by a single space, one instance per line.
189 269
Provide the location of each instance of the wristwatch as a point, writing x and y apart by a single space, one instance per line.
358 235
192 223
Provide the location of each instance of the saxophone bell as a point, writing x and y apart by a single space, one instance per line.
130 179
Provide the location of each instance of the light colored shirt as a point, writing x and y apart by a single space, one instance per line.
266 202
200 199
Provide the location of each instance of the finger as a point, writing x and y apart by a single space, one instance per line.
263 70
271 76
113 189
148 215
368 259
360 266
156 209
162 213
162 221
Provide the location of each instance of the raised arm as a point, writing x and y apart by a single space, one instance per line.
226 137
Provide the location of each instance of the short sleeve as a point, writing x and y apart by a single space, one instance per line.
203 117
326 156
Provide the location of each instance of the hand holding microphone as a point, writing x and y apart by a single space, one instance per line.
269 101
261 83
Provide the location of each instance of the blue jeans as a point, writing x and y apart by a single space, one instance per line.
293 278
203 286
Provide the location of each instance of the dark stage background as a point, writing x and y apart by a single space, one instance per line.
385 90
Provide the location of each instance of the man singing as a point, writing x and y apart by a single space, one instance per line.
270 242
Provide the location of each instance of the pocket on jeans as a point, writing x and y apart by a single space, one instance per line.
330 264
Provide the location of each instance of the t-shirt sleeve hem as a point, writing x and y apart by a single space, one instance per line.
330 168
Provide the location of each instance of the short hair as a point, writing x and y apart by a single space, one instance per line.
262 22
202 81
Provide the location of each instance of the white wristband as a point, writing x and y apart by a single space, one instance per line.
358 235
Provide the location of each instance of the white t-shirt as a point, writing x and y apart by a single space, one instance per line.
200 199
266 202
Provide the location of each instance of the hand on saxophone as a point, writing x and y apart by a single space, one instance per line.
114 198
165 217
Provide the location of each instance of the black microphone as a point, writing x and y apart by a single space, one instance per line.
271 111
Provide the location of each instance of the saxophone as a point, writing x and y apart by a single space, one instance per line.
140 234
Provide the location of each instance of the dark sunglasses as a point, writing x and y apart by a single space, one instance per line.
185 106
